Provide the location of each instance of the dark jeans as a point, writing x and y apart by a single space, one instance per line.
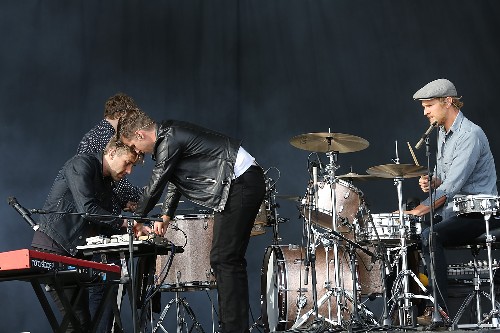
80 307
232 228
454 231
96 294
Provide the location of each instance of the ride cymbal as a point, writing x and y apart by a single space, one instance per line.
397 171
329 142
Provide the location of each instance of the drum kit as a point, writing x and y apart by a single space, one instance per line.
347 249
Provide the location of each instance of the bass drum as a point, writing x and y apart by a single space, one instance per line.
284 297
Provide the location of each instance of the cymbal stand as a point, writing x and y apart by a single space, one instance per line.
405 308
330 178
310 252
404 311
360 313
273 208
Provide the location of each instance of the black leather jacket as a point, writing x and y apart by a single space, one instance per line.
79 187
195 162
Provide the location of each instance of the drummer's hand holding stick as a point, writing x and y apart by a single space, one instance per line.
423 181
425 185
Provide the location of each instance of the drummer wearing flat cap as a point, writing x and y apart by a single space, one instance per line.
464 166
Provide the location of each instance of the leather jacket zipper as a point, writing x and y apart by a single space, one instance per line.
202 180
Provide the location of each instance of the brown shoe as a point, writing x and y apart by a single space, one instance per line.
426 318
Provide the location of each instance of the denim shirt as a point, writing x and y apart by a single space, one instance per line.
464 163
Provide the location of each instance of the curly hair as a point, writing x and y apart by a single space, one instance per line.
132 121
117 104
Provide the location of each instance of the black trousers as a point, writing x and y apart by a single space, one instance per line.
232 228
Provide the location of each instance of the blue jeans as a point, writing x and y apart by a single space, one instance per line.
232 228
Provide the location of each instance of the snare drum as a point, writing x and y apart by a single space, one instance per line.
190 270
387 227
479 203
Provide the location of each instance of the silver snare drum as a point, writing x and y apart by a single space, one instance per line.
387 226
478 203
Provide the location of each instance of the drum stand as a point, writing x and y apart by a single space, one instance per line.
310 259
181 322
338 291
406 313
360 314
383 256
495 306
404 310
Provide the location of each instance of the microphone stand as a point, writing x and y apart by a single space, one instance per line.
437 320
130 228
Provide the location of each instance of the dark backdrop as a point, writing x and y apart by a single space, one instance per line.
263 71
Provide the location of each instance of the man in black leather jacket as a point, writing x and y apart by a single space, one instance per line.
83 185
212 170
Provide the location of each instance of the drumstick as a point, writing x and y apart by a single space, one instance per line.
413 154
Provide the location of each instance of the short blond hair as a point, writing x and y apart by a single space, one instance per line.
455 101
120 148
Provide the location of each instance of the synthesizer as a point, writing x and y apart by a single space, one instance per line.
24 263
144 246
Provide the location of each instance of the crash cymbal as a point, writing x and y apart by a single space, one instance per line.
357 177
397 171
329 142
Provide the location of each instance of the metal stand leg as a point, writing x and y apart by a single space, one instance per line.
475 294
181 305
493 315
495 306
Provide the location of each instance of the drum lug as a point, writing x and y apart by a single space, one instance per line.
301 301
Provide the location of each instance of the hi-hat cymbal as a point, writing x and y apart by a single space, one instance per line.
397 171
357 177
329 142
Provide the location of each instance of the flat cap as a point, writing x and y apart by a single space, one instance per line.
435 89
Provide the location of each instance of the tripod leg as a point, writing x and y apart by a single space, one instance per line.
195 323
462 308
162 316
